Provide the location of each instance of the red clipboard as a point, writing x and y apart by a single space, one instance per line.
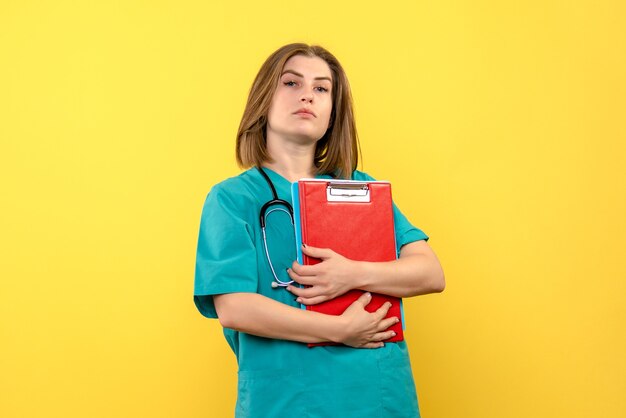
354 219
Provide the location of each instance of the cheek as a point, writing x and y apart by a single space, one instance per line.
279 102
327 112
273 112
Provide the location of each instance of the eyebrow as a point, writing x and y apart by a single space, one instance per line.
300 75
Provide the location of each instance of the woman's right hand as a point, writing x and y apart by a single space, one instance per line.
363 329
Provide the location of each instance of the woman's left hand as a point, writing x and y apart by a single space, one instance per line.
332 277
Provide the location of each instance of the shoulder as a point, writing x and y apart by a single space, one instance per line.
239 185
237 191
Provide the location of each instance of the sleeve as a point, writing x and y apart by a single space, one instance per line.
226 256
405 231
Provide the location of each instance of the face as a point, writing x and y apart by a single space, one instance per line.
302 104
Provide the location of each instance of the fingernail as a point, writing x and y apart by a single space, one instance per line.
299 300
304 245
368 294
393 334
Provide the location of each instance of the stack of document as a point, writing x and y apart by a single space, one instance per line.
354 219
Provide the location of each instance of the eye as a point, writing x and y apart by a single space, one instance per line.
321 89
290 83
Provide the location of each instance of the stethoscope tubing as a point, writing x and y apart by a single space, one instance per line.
263 214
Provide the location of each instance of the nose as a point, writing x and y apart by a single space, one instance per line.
307 97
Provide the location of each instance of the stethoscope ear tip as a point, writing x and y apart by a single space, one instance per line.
274 285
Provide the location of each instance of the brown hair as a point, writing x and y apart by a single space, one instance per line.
337 152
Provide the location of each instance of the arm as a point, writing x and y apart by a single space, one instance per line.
416 272
259 315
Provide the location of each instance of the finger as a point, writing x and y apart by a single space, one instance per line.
373 345
313 301
307 280
305 292
363 300
315 252
304 270
386 323
381 336
382 311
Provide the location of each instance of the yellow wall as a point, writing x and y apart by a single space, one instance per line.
500 124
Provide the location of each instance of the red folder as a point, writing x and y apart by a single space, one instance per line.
354 219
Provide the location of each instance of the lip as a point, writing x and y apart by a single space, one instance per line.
304 111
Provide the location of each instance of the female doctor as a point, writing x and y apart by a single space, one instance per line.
298 122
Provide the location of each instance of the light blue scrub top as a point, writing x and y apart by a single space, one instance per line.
280 378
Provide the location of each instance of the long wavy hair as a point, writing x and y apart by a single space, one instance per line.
337 152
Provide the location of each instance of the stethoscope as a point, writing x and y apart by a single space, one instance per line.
270 206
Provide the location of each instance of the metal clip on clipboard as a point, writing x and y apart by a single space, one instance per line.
343 191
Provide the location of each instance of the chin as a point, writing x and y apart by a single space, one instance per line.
305 138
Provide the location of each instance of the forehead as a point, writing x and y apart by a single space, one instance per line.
308 66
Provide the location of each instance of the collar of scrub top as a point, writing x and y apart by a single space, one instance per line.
275 204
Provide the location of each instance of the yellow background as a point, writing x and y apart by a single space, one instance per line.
500 124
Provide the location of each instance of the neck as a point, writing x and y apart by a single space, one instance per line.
292 161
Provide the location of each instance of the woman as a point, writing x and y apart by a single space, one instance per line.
298 123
